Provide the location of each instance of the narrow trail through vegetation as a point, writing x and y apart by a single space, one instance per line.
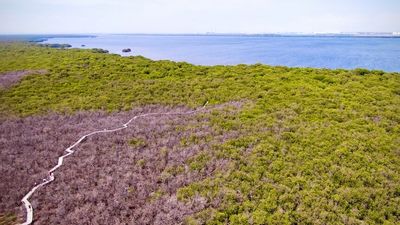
50 178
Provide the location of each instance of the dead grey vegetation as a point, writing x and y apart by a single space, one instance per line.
107 180
11 78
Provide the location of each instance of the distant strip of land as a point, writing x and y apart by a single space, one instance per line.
38 37
45 37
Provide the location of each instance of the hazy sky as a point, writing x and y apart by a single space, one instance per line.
187 16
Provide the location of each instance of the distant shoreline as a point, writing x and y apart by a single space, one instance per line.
37 38
361 35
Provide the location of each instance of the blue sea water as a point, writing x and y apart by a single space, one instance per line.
349 52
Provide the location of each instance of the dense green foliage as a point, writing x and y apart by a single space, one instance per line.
317 146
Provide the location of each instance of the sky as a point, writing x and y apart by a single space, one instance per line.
201 16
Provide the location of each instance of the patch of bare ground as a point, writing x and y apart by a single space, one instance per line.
11 78
127 177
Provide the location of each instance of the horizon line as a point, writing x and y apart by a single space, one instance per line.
216 33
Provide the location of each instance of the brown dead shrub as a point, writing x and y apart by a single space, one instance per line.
11 78
107 180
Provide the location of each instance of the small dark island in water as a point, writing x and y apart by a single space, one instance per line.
126 50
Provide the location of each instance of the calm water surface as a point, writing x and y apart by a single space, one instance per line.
293 51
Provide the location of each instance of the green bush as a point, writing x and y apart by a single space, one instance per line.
137 143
